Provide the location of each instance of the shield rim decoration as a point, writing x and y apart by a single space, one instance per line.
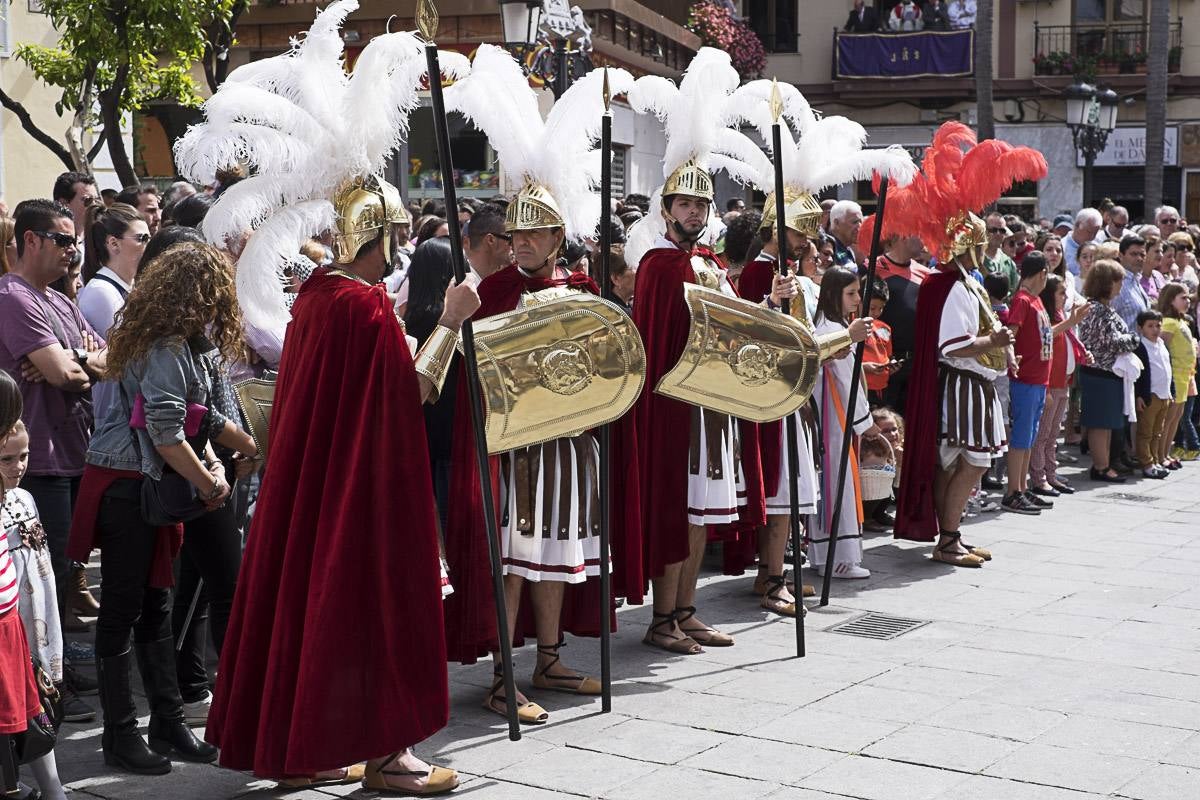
733 392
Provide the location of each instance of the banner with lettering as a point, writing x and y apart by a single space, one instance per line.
928 54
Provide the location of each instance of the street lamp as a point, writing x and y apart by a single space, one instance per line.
545 27
519 20
1091 116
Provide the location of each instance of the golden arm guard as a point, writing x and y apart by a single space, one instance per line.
434 357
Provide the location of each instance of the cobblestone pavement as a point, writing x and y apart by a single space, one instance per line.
1066 669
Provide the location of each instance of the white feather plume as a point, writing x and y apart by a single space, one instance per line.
696 117
559 152
274 243
301 126
817 152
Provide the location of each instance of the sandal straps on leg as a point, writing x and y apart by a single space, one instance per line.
665 639
945 552
707 636
572 684
771 600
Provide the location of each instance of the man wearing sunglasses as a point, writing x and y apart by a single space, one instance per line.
55 356
487 247
995 260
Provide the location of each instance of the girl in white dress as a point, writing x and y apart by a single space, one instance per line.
839 301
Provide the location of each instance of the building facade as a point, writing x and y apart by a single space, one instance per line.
902 86
624 33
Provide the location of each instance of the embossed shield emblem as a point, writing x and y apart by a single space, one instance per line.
255 397
556 369
742 359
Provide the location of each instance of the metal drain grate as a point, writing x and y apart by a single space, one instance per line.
878 626
1129 498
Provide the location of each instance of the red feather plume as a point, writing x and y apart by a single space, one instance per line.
957 174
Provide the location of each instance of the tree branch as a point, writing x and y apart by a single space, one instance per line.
50 143
110 114
97 145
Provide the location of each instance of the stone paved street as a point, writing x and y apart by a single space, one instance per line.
1066 669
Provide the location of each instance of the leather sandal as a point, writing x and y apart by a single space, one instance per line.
773 603
982 552
497 702
946 554
438 780
666 640
571 684
760 586
351 774
706 636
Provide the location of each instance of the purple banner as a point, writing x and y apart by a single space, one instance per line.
941 54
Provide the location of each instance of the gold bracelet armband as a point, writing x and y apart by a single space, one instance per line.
830 343
434 357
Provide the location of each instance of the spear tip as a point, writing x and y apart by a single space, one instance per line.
606 91
776 101
427 19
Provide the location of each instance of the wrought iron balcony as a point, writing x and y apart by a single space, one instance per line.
1090 50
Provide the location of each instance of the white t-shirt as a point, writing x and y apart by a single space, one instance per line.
959 326
99 301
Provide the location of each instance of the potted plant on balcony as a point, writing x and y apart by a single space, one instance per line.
717 26
1106 64
1050 63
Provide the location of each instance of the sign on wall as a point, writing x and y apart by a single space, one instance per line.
1126 147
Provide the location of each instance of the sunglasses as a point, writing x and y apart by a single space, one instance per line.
63 240
995 230
503 236
140 238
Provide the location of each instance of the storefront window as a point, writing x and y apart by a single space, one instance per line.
475 169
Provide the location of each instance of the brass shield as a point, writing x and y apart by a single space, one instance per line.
742 359
556 368
255 397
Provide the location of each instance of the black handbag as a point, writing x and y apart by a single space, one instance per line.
40 737
172 499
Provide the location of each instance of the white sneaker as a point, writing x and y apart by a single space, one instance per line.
197 713
846 570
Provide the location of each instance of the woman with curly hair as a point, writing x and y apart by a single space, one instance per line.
180 316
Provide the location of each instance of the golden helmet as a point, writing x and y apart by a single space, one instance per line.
690 180
964 233
533 208
802 213
363 207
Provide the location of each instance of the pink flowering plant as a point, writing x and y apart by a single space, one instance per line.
718 27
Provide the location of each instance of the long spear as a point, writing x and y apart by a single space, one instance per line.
793 445
605 433
427 22
852 401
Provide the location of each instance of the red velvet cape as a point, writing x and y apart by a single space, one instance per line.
662 423
471 610
335 650
916 517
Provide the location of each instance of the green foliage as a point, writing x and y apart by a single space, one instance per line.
134 50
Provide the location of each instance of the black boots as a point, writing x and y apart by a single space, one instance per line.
123 746
169 733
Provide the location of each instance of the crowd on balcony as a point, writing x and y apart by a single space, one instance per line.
908 16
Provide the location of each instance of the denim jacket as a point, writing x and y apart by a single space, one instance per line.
169 377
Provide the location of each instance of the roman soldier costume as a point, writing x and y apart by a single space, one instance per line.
953 408
816 154
335 651
555 362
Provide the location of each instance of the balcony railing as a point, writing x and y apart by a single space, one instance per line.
1090 50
